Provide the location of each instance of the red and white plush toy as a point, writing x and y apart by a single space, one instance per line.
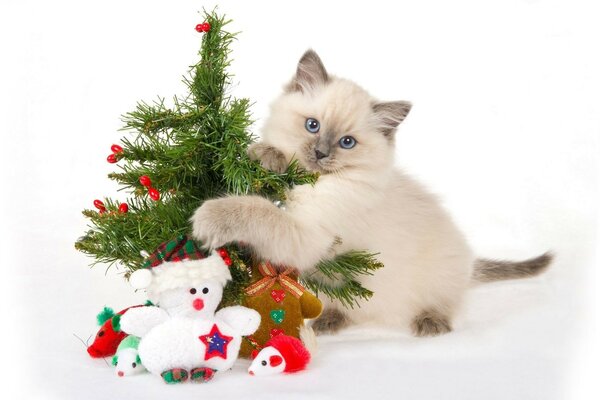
183 338
281 354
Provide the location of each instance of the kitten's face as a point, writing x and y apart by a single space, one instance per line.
331 125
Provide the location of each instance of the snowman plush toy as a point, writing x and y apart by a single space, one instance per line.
183 338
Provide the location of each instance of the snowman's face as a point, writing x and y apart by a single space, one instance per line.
127 363
268 362
194 301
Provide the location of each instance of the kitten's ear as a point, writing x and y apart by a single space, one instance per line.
310 73
390 114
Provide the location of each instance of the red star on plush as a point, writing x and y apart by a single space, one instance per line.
216 343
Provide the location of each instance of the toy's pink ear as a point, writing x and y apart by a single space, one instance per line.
275 361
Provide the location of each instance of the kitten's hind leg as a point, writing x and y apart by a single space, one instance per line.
331 320
430 323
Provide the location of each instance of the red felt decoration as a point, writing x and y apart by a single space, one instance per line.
145 180
216 343
111 158
154 194
99 205
275 361
123 208
275 331
115 148
278 295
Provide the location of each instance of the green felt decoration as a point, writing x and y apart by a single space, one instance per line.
116 323
277 316
104 315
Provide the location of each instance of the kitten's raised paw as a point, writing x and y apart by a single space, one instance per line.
215 222
270 158
430 323
331 320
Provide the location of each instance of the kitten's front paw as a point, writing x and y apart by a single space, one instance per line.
270 158
212 225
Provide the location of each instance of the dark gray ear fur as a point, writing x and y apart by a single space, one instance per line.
310 73
390 114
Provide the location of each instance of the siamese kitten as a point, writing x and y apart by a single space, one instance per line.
360 202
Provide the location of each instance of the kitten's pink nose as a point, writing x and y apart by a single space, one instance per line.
120 373
198 304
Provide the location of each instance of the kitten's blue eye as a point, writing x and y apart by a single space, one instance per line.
312 125
347 142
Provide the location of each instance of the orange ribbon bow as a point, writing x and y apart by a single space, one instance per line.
270 277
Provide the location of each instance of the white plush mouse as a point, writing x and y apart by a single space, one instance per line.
281 354
127 361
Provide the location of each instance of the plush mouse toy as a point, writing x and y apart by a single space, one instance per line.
281 354
110 334
183 337
127 360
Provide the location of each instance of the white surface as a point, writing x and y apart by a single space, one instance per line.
504 127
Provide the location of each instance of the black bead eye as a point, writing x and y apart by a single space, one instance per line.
101 333
312 125
133 365
263 363
193 291
205 290
347 142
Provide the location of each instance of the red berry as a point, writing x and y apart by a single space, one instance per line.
123 208
227 260
115 148
145 180
154 194
223 253
205 27
111 159
199 27
99 205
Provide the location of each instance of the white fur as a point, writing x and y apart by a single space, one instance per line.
360 197
370 205
140 320
176 343
190 273
240 319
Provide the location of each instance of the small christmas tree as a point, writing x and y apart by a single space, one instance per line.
184 154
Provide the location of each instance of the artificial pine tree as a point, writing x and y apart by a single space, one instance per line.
178 156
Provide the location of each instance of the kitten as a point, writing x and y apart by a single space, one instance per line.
334 127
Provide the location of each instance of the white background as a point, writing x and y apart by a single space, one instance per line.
504 127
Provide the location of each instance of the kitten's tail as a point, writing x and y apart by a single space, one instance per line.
496 270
